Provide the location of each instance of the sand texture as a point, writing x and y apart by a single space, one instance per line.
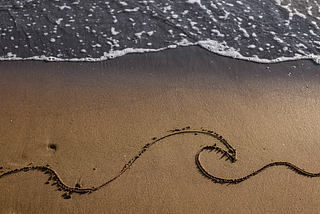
179 131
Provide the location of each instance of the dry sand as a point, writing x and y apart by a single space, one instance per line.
87 120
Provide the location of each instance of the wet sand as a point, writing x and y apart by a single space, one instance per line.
87 120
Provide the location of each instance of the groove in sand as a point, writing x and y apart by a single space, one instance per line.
229 154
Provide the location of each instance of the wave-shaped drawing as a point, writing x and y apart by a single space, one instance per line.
229 154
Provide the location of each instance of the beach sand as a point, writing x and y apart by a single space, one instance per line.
87 120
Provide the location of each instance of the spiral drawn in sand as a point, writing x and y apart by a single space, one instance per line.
229 154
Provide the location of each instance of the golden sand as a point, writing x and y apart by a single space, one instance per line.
87 121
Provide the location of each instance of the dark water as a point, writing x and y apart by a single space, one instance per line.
86 30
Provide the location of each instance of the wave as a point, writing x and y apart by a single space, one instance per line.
259 31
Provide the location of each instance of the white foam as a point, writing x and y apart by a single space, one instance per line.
315 24
194 1
245 33
218 33
150 33
175 16
64 7
58 21
123 3
139 34
181 25
300 45
114 32
211 45
132 10
278 39
223 49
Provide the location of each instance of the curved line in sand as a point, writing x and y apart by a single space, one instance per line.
229 154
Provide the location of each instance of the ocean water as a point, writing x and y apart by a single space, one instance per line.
266 31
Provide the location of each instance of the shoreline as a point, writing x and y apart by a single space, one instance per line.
206 45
